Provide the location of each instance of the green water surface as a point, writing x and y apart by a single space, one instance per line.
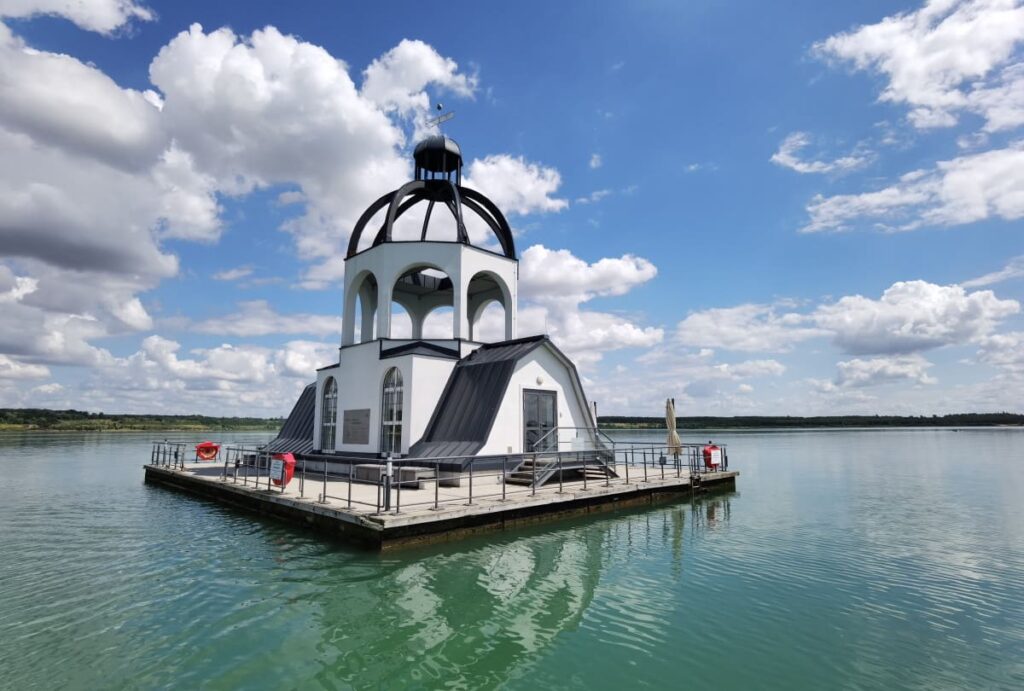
846 559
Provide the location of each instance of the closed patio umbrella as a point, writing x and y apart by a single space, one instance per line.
675 445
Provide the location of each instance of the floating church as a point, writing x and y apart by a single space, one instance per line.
447 395
421 433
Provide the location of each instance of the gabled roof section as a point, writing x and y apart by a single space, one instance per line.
296 435
464 416
419 348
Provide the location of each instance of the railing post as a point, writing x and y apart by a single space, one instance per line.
437 482
323 495
643 457
302 480
559 473
398 493
626 466
504 475
534 483
470 482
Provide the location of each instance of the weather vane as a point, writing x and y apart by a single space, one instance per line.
436 122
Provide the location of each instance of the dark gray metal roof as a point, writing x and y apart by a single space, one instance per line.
296 434
465 414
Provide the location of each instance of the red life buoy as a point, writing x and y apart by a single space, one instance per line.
207 451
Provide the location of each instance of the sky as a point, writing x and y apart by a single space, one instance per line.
797 208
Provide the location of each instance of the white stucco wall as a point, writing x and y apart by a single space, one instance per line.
429 378
360 376
553 375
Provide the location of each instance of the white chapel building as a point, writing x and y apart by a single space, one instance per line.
429 397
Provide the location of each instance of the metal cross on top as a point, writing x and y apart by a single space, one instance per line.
440 118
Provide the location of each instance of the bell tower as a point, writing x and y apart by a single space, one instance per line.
423 273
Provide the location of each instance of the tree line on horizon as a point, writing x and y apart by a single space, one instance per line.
79 420
782 421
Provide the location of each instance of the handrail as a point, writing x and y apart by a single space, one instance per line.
596 430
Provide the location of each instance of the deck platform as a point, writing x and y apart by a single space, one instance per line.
430 513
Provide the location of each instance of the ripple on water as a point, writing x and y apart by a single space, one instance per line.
814 575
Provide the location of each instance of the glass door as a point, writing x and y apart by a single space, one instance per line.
540 416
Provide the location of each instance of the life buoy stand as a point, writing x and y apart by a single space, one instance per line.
207 451
712 457
287 471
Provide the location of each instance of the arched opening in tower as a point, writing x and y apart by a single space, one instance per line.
488 300
424 291
364 308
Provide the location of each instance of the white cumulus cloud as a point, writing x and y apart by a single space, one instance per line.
944 58
516 185
788 156
102 16
548 275
912 316
883 370
750 327
1013 269
398 79
258 318
962 190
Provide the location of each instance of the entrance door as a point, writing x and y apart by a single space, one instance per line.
540 413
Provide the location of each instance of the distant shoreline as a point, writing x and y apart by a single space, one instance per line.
822 421
162 430
44 420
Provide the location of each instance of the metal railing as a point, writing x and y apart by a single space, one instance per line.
592 437
399 483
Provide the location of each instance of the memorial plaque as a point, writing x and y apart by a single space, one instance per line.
355 426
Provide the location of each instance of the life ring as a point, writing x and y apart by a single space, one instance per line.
207 451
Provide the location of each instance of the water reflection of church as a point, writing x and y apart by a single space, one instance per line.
483 613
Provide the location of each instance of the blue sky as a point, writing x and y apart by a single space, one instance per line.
800 208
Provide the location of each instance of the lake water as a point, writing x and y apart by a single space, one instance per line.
857 559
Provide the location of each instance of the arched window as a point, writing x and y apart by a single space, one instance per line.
391 413
329 415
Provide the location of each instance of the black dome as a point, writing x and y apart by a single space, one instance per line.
436 159
438 154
